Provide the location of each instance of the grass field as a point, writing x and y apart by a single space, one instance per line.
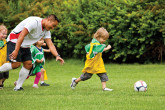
88 95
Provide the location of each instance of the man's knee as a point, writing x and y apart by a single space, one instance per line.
27 64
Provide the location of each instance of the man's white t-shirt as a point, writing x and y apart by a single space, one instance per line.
36 32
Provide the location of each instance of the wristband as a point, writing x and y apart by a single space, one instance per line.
58 55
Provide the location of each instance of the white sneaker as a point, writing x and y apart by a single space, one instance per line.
73 84
107 89
35 86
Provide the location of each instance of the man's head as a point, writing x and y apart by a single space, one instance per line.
50 22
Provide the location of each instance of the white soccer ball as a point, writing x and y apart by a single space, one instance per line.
140 86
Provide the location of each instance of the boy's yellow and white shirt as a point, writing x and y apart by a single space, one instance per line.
3 53
94 63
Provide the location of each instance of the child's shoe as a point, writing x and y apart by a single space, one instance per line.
107 89
35 86
44 84
73 84
1 86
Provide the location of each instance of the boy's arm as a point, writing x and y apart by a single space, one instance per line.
21 37
53 50
107 48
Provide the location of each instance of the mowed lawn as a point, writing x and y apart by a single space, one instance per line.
88 95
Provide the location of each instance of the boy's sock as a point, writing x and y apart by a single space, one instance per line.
37 79
5 67
22 76
42 82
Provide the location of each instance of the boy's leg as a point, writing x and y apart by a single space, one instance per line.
104 79
1 84
83 77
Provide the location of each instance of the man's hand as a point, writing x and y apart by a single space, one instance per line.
60 59
13 55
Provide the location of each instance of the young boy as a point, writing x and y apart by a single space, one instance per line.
3 53
94 63
26 33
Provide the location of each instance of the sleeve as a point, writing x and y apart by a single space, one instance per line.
31 24
98 48
47 35
87 48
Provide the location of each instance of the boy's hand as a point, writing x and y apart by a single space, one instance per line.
107 48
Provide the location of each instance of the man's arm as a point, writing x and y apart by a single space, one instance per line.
21 37
53 50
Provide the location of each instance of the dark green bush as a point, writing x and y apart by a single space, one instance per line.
136 27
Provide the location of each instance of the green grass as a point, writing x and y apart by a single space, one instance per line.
88 95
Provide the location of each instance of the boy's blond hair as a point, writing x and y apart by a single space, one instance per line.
2 27
101 33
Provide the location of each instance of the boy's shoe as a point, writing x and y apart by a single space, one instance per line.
20 89
107 89
1 86
73 84
44 84
35 86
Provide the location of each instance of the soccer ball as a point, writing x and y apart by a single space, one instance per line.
140 86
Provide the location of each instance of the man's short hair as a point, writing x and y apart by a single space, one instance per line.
53 17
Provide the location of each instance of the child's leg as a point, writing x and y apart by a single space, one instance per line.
37 79
42 75
42 78
83 77
104 79
103 85
1 84
78 80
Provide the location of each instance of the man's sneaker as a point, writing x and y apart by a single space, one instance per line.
73 84
20 89
107 89
44 84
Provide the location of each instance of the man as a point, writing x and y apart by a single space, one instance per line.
26 33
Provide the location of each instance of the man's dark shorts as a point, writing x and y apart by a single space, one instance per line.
24 54
86 76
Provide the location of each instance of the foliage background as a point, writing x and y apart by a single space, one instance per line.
136 27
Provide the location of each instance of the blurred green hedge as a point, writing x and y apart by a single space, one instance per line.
136 27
